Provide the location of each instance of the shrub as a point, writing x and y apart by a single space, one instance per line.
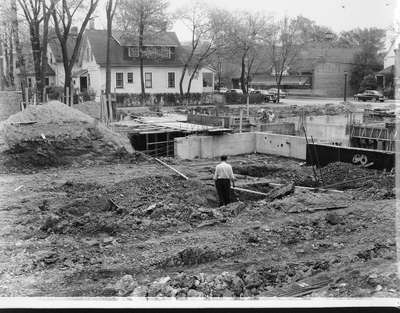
54 92
233 98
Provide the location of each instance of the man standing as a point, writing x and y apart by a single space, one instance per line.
223 177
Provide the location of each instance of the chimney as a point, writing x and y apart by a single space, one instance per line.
91 24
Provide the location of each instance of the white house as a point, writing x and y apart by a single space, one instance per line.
55 58
163 65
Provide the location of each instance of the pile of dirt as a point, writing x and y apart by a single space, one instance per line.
55 134
91 108
364 183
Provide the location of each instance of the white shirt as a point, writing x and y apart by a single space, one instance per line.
223 171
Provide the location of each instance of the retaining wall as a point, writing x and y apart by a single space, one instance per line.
329 153
192 147
282 145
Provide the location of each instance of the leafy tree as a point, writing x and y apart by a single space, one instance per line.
369 59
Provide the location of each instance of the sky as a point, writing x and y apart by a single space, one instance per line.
339 15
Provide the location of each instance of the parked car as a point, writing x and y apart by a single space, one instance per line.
369 95
221 90
267 96
236 91
274 91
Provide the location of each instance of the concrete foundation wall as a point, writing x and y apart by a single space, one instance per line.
192 147
279 128
282 145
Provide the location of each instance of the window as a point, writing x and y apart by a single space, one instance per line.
119 80
133 52
88 54
29 82
46 81
171 53
148 80
130 78
171 80
207 79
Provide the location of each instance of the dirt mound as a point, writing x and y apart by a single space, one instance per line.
55 134
91 108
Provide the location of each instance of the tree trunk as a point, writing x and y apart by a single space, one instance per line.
141 33
67 82
108 56
11 73
242 74
190 80
36 52
181 80
44 55
18 48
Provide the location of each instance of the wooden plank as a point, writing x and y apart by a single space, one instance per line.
250 191
171 168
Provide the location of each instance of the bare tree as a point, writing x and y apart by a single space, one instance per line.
6 40
285 41
243 32
197 20
37 14
110 11
145 18
63 17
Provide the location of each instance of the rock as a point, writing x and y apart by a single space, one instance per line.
378 288
125 285
50 222
109 291
150 209
333 218
158 286
253 280
140 291
194 293
237 285
44 205
253 238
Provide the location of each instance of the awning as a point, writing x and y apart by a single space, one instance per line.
286 80
80 73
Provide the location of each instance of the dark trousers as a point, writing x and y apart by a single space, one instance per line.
224 190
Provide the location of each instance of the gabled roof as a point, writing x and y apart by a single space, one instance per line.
56 47
98 42
168 39
387 71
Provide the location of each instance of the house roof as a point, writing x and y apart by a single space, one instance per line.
386 71
56 48
98 42
168 39
29 68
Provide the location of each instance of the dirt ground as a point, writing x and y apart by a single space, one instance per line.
138 229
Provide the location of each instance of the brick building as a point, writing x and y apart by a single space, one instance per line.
316 72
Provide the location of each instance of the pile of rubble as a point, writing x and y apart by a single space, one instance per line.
55 134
